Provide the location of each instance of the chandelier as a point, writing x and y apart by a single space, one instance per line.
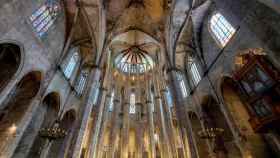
52 133
210 133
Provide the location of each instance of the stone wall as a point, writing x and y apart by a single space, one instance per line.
256 27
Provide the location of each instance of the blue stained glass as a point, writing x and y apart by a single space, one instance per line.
71 65
43 18
37 13
168 97
43 24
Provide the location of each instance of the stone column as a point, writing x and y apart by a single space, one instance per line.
96 131
219 147
46 148
125 131
114 128
17 135
139 138
169 124
93 86
31 132
183 120
161 120
164 142
104 127
274 140
118 128
151 122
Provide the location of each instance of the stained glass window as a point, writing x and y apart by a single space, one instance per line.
111 103
71 65
134 61
182 85
195 73
43 18
168 97
132 108
221 29
82 82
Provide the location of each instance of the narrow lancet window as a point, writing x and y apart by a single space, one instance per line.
168 97
69 69
132 108
195 73
82 82
111 104
182 85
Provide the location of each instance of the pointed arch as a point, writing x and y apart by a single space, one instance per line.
45 116
16 106
239 114
11 60
61 148
214 117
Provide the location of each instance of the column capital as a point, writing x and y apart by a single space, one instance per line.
126 103
138 104
148 102
157 97
116 100
95 66
172 69
103 89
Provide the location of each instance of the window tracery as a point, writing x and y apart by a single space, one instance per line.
182 85
221 28
81 82
134 61
69 69
44 17
195 73
192 67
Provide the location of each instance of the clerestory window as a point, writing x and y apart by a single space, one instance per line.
169 97
111 104
195 73
221 29
182 85
81 82
70 67
132 107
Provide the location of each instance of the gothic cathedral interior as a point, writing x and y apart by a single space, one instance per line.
139 79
